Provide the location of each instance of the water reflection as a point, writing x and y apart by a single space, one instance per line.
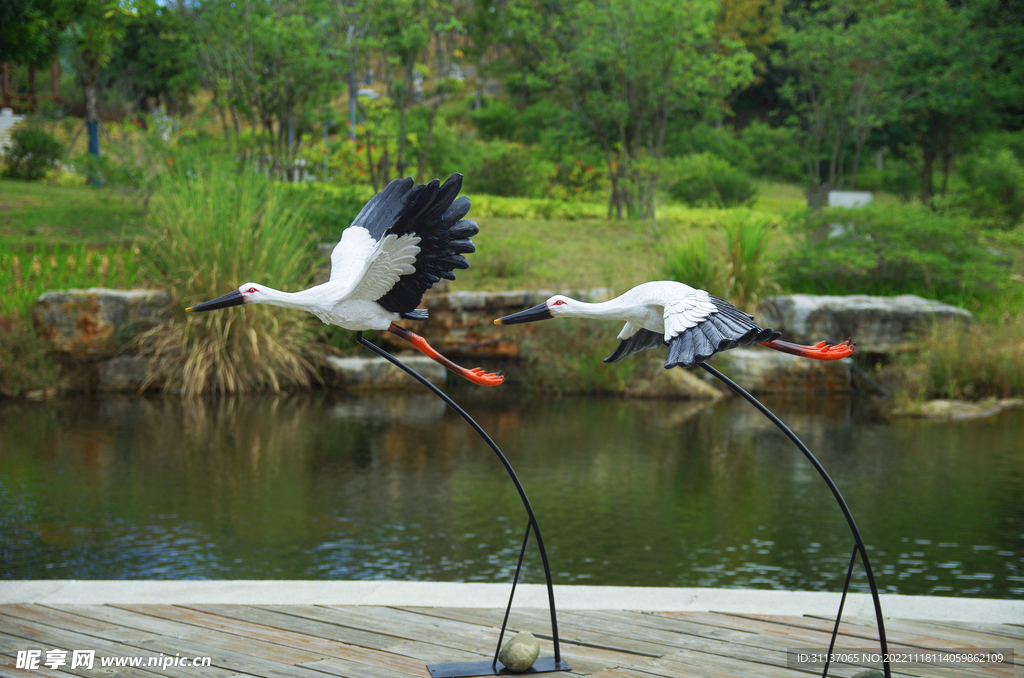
398 487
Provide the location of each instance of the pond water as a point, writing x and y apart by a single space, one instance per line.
396 486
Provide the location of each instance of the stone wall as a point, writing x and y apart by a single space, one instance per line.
92 327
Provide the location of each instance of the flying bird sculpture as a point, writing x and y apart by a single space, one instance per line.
404 240
692 323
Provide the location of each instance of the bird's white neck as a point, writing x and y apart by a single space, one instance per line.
601 311
305 300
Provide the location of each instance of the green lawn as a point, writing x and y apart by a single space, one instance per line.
32 214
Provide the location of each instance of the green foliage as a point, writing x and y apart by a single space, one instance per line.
485 206
549 367
775 151
899 176
25 363
894 249
691 261
211 232
983 360
628 66
32 152
995 188
26 274
154 64
705 180
507 169
329 208
701 138
738 266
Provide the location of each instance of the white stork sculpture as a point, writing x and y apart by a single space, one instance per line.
692 323
404 240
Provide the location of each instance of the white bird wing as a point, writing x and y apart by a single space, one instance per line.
628 330
351 255
365 268
686 312
394 257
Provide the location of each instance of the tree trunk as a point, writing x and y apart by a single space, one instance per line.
426 142
400 163
368 140
927 185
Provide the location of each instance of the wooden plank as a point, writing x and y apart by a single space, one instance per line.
350 669
8 669
177 631
410 627
276 619
21 634
74 622
998 630
224 658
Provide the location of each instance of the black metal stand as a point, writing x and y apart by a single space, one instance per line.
492 667
859 543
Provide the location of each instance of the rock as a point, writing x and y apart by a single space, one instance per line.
959 409
760 370
462 325
378 373
125 373
877 324
520 653
98 321
674 383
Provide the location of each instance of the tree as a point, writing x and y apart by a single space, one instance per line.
269 63
153 65
970 64
31 30
628 66
96 28
402 30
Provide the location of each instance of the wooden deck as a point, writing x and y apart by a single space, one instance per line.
310 641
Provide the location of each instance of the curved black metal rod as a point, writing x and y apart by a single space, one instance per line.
835 492
504 461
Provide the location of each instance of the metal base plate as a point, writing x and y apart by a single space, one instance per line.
489 667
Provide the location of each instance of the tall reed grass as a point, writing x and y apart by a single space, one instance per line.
734 262
983 360
26 274
212 230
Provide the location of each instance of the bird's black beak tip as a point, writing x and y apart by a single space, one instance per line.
538 312
233 298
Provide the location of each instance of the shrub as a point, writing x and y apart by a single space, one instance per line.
775 151
508 169
982 360
210 233
739 269
719 141
25 363
329 208
705 180
894 249
32 152
995 188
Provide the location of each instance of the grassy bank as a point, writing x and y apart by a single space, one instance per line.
70 236
33 214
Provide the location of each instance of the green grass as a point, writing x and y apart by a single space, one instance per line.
26 274
33 213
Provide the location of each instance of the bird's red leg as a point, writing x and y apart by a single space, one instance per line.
820 351
475 375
